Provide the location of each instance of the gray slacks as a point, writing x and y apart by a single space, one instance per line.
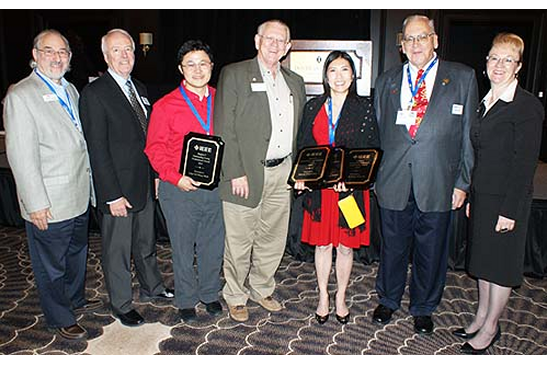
196 231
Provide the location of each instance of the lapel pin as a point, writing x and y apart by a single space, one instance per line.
445 82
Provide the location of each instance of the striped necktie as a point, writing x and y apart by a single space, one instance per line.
136 107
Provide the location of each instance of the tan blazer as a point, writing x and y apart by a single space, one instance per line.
47 154
242 119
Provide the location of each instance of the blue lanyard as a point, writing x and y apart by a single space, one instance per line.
332 126
205 126
415 90
68 108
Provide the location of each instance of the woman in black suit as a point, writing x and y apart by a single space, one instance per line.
341 118
506 141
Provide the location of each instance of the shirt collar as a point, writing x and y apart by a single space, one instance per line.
62 87
119 79
506 96
414 69
265 71
193 93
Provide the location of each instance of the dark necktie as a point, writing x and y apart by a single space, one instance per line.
420 102
137 107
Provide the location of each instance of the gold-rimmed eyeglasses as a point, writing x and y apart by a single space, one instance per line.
506 61
269 39
421 38
50 52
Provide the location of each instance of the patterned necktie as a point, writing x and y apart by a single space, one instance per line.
420 102
137 107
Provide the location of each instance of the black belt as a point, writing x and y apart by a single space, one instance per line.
274 162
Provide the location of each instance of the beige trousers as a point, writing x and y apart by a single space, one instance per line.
255 239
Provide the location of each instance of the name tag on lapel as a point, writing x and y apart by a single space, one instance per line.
258 86
457 109
48 98
145 101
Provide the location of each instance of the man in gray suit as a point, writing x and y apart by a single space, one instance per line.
424 110
257 109
48 156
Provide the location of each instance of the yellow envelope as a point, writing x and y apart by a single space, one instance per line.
351 211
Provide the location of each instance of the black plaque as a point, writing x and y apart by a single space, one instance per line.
201 159
335 167
310 166
361 167
322 167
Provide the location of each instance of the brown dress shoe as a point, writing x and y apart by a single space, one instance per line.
72 333
270 304
238 313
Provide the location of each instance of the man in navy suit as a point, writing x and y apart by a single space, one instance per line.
115 112
424 110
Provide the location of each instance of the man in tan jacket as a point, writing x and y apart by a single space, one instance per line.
257 109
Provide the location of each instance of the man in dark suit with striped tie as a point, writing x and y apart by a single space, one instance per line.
115 111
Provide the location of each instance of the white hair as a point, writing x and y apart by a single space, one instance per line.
261 27
116 30
418 17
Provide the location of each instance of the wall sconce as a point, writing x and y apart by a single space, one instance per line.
145 40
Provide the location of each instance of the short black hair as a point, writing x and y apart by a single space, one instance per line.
332 57
191 46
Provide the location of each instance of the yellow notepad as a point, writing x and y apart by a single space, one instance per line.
351 211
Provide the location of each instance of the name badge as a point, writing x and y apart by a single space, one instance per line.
145 101
406 117
258 86
48 98
457 109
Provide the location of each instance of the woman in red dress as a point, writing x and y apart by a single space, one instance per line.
341 118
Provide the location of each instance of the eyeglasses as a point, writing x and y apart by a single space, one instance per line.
269 39
421 38
506 61
195 66
50 52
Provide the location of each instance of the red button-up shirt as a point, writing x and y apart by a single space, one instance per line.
171 120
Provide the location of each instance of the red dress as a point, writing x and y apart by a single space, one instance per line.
327 230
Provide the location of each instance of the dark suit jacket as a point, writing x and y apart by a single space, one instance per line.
440 157
506 145
116 143
242 119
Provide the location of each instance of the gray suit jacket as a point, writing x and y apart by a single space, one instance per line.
47 154
242 119
441 157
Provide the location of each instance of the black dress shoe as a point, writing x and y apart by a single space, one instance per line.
321 319
343 319
72 333
461 332
424 325
188 315
382 314
131 318
214 308
91 305
165 294
468 349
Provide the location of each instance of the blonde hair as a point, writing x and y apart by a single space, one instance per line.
511 40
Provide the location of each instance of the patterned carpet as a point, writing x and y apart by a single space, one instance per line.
291 331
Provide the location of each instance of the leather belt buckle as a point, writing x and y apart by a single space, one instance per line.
273 162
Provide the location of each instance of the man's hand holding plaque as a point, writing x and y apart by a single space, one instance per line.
323 167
